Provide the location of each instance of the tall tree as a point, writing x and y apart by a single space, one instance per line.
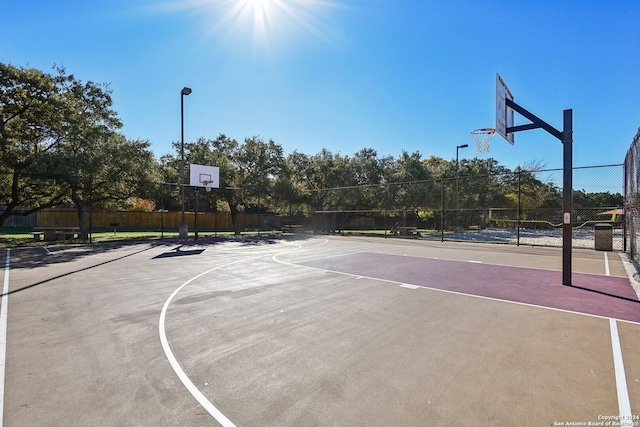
407 189
325 177
33 121
105 172
257 164
58 144
483 183
99 165
248 171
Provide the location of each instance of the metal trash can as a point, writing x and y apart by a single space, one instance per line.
604 237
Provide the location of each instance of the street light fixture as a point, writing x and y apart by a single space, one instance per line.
458 147
184 230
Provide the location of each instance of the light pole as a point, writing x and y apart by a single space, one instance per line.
458 147
184 229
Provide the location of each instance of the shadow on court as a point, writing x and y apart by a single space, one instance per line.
69 273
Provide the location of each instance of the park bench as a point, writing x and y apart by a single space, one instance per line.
291 228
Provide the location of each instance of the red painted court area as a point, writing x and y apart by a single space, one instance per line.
606 296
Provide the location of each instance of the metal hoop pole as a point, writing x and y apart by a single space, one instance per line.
567 195
566 137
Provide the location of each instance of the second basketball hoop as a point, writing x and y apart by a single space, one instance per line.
483 138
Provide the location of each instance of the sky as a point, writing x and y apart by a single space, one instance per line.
391 75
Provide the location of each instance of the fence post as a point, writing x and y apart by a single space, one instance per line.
91 210
519 209
195 219
442 214
161 212
386 193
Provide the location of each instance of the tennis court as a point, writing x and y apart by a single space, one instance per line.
324 330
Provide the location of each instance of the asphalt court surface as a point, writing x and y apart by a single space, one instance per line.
317 331
593 294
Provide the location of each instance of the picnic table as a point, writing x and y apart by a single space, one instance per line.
408 231
55 233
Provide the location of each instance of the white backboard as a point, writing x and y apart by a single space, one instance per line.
204 176
504 114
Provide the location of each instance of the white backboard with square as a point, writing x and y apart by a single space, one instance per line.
204 176
504 114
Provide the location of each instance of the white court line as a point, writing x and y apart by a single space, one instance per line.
621 383
191 387
197 394
624 406
3 331
447 291
606 265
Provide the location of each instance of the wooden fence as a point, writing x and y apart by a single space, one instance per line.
19 220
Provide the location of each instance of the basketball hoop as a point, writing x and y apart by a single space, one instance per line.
207 185
483 139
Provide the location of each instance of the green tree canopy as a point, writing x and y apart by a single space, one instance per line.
59 144
34 117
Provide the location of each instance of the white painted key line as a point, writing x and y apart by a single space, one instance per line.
182 375
624 406
3 331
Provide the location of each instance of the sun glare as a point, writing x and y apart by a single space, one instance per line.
258 4
262 25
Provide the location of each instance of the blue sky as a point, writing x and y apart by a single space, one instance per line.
391 75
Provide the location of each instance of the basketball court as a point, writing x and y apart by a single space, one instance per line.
318 331
309 330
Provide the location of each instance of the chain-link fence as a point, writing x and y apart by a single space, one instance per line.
522 207
632 198
205 212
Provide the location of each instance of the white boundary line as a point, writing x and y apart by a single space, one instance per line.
3 332
607 272
479 262
275 258
621 385
197 394
621 382
624 406
631 272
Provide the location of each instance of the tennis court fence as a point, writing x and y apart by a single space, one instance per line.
514 207
521 207
632 198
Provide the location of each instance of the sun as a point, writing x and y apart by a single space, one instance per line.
258 8
259 4
261 25
261 13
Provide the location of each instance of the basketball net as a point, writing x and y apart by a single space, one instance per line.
483 139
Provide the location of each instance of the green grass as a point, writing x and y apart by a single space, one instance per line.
110 236
15 236
22 236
